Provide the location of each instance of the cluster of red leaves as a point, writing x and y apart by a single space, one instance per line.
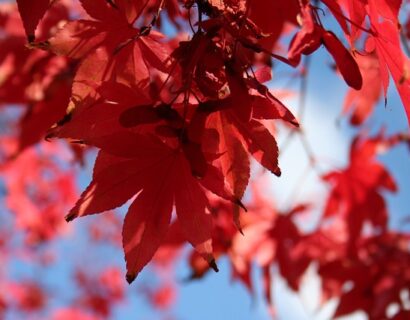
176 121
170 125
101 294
38 190
371 261
380 36
96 297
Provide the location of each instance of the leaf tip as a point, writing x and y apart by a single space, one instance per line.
49 136
213 265
295 123
31 38
130 277
70 217
240 204
238 226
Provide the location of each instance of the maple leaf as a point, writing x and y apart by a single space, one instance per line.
110 49
356 190
161 177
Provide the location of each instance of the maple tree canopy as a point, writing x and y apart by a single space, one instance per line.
177 97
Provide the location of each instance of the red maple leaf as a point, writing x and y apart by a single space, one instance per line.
356 190
161 177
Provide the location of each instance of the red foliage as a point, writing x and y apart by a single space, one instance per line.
176 121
